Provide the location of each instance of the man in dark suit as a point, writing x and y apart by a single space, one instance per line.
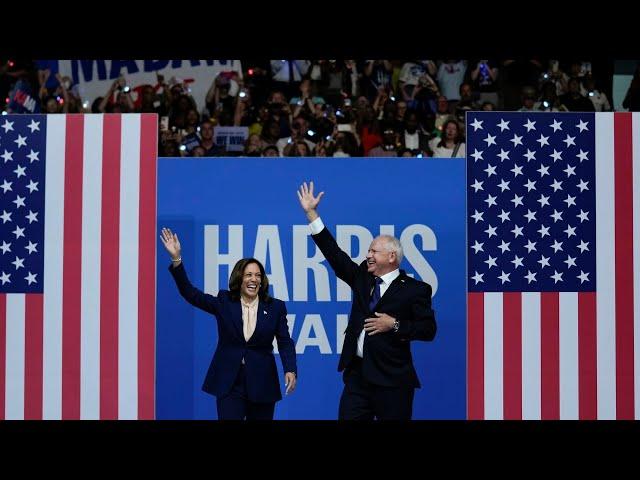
412 136
389 310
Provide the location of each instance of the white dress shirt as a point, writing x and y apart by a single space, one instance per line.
316 226
387 278
412 141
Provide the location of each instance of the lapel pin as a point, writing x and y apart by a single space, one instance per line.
264 311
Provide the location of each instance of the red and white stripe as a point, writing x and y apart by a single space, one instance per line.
570 355
85 348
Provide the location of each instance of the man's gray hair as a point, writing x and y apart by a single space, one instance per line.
392 244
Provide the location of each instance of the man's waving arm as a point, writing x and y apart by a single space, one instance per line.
345 268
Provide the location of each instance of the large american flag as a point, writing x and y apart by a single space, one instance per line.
553 260
77 266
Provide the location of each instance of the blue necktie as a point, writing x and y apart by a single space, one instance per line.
375 296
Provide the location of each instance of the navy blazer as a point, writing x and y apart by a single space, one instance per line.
387 357
263 384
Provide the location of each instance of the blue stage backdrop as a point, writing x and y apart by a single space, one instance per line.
224 209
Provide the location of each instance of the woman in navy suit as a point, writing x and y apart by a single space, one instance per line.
243 374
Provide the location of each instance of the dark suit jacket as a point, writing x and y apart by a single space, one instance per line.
387 357
261 371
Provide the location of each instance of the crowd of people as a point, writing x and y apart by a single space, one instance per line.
334 108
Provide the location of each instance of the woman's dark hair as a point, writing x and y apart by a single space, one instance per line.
347 143
293 150
96 104
270 147
197 116
235 280
328 149
169 148
459 137
266 134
